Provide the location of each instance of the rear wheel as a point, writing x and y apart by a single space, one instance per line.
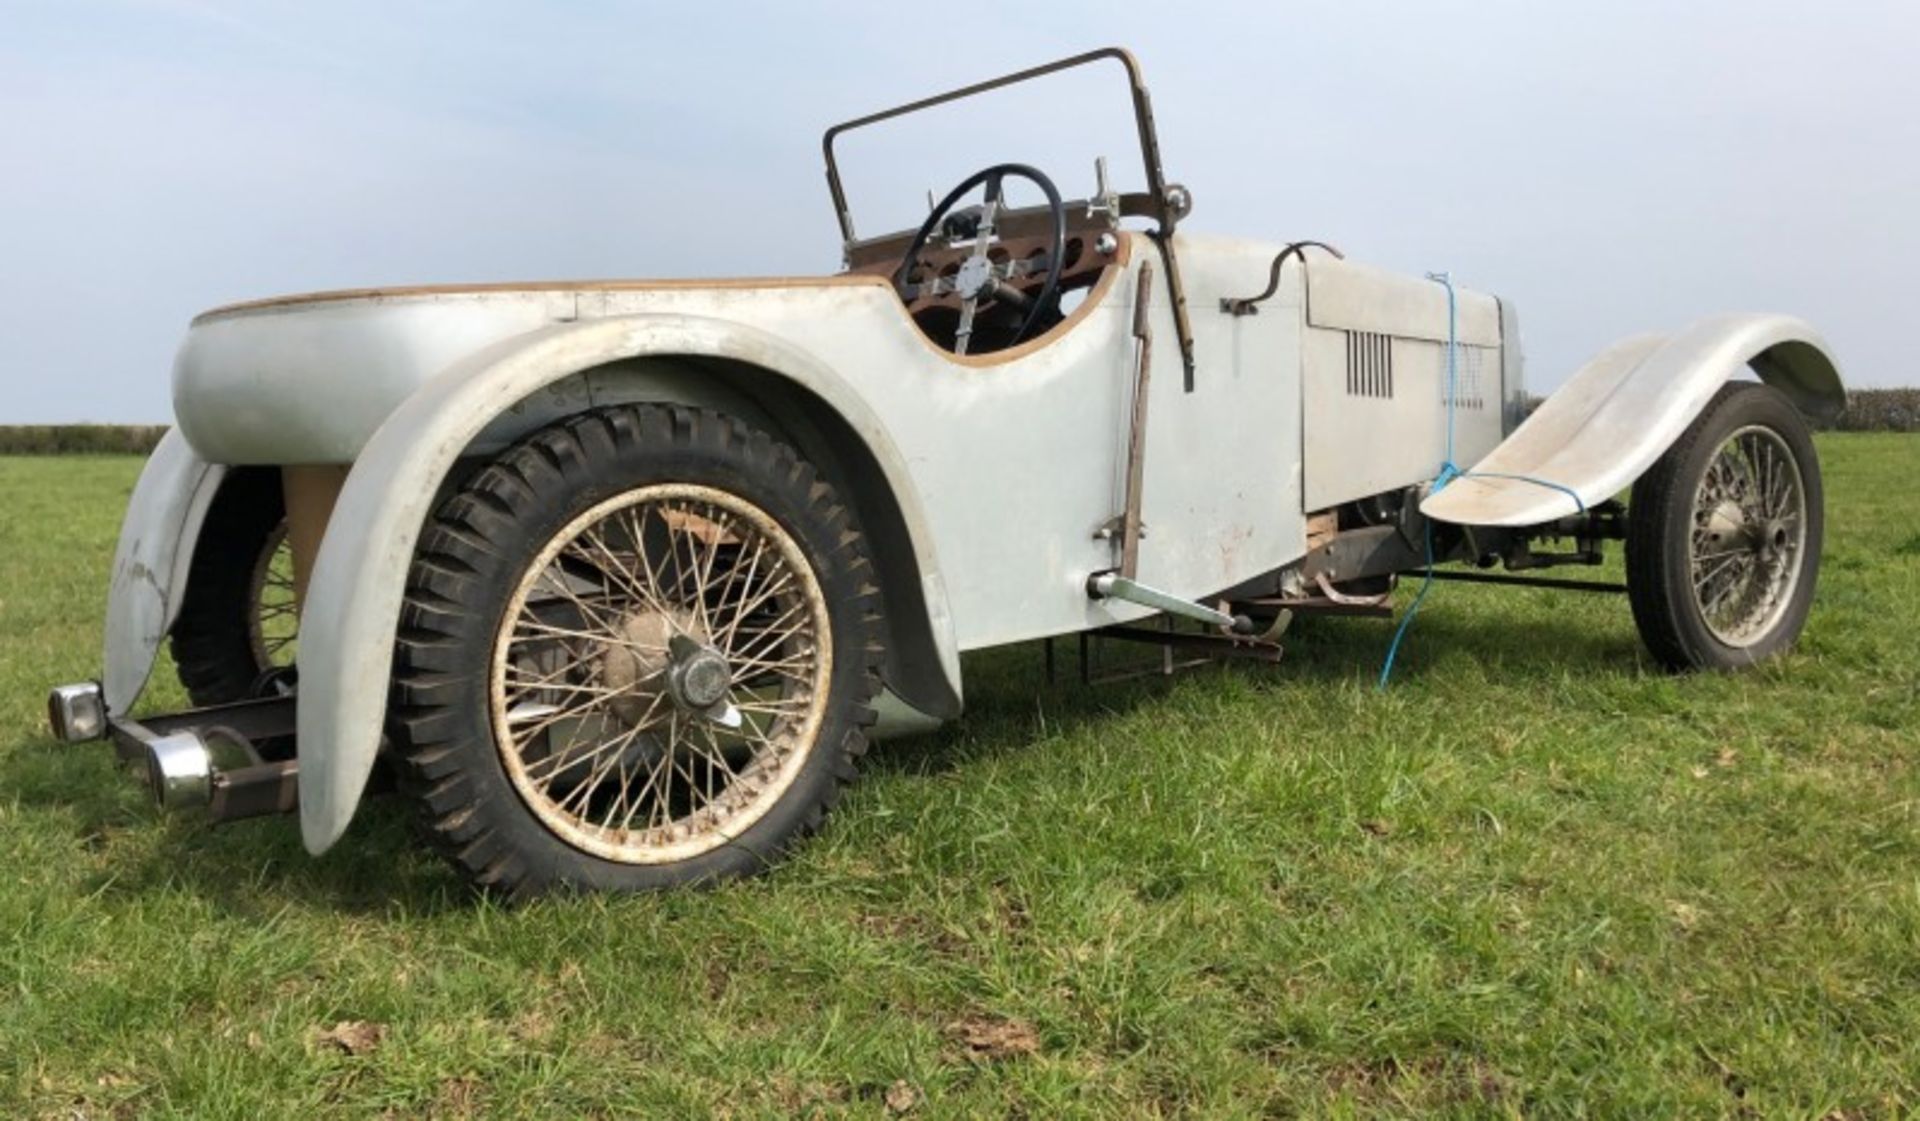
1724 533
637 650
237 631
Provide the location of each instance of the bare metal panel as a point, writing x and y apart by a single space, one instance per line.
1379 423
1222 500
1623 409
1358 297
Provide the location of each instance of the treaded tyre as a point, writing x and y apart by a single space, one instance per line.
238 621
638 650
1724 533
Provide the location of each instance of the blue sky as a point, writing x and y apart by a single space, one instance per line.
1612 167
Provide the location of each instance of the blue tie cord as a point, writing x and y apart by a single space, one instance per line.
1449 471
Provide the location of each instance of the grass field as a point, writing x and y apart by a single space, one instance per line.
1536 877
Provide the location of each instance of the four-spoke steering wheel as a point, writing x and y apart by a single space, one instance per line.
980 279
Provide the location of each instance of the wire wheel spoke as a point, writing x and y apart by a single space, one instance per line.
273 609
599 733
1746 550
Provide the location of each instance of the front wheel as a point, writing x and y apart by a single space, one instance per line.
1724 532
238 628
637 650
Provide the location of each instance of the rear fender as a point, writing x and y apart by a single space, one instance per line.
151 563
352 610
1625 408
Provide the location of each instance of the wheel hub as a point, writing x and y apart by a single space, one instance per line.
697 676
1729 528
1750 521
652 703
663 654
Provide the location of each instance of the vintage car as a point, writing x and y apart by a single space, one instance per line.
616 580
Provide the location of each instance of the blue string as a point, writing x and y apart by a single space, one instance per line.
1449 471
1406 621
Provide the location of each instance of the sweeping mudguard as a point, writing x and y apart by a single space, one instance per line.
1622 410
150 564
352 609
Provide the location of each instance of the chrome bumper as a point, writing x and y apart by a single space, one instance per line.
77 712
181 753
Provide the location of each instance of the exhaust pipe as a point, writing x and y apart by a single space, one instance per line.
180 771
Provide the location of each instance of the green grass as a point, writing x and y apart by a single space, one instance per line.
1535 877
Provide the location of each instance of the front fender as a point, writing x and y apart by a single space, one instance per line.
352 609
151 563
1622 410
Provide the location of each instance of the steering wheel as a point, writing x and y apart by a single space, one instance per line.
981 280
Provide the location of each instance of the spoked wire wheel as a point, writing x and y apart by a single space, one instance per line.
638 649
273 616
1749 535
1724 532
661 668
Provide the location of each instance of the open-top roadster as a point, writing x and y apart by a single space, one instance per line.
620 577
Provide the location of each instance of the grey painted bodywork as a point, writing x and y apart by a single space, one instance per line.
1513 370
1000 470
1003 469
353 599
151 562
1614 417
1370 438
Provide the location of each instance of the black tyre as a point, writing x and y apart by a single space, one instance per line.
638 650
1724 533
238 624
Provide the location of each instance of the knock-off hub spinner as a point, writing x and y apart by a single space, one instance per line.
697 675
663 652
